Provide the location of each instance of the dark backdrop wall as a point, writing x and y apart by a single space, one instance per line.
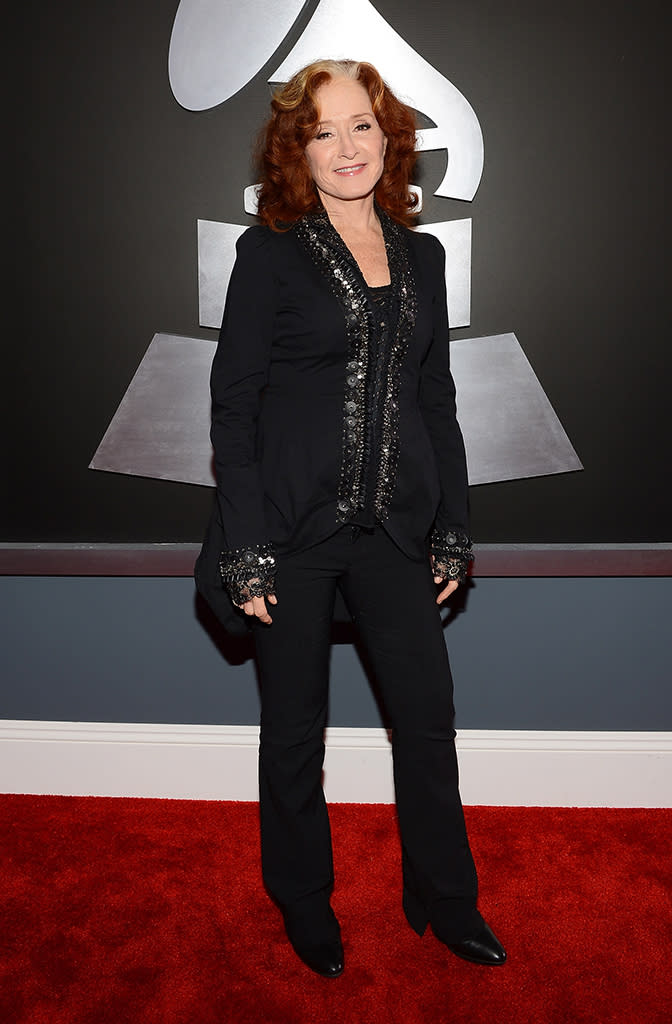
567 248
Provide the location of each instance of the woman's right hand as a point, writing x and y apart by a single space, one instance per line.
257 606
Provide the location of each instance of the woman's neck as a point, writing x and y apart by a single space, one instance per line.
353 218
360 229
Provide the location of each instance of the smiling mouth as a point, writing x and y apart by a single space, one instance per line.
355 169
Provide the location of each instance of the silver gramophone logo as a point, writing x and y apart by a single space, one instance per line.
161 428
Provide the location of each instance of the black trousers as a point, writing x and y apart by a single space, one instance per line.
393 602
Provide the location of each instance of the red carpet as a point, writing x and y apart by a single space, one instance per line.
152 912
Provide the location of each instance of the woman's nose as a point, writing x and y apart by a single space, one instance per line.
347 147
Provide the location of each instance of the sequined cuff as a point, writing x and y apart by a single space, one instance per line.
248 572
452 553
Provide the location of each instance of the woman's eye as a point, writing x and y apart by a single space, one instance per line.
363 127
323 135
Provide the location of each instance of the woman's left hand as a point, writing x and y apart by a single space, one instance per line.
449 589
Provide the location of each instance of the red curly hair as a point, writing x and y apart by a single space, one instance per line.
287 190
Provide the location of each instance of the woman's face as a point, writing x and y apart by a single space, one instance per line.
346 156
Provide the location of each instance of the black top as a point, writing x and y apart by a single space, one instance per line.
328 407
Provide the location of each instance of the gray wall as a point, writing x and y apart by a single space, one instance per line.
526 654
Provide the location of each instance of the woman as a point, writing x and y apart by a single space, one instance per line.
340 464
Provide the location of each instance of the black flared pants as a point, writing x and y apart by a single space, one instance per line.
392 600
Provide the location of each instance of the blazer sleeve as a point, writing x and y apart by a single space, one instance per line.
439 412
239 374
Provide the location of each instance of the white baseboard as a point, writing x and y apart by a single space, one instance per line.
520 767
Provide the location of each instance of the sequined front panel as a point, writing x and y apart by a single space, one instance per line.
373 368
404 287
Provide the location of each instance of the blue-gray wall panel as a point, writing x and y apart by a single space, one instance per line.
526 654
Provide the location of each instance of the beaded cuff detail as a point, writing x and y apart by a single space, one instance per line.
452 553
248 572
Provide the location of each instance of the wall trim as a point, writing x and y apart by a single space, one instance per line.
499 560
218 762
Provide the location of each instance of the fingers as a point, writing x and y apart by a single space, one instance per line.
257 607
447 591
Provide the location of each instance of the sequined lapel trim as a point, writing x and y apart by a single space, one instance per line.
335 261
403 286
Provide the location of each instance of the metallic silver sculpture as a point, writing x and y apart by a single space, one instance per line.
216 46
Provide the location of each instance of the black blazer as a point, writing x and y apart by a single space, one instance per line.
279 384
